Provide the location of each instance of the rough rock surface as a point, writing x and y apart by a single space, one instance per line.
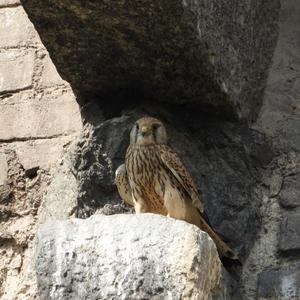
211 54
126 257
39 116
290 233
20 198
240 38
290 192
283 284
279 116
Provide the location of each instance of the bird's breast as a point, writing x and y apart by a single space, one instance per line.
144 165
147 177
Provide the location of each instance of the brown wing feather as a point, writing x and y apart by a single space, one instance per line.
123 186
174 164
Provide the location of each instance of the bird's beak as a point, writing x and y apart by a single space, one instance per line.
146 130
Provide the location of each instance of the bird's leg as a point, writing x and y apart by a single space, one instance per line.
140 206
173 203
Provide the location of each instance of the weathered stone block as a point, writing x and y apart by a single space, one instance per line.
290 233
15 27
43 153
53 114
63 186
290 192
126 257
16 69
279 283
50 76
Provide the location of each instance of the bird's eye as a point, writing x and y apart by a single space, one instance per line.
137 126
155 126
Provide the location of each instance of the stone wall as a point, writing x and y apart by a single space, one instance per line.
39 117
273 264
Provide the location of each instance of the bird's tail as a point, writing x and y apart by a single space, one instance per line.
197 219
223 249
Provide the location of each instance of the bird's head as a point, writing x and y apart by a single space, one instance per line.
148 130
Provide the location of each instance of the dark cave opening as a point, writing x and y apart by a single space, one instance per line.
133 97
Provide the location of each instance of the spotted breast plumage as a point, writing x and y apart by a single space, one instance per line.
154 179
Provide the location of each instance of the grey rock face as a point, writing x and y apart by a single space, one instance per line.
290 233
280 113
280 283
126 257
210 54
94 159
290 193
239 36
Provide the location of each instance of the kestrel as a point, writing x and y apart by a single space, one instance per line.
153 179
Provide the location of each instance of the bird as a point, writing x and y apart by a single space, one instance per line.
153 179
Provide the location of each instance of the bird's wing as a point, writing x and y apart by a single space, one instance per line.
122 183
174 164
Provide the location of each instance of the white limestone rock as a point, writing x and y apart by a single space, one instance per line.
143 256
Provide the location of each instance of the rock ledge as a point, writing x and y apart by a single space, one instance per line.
126 257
